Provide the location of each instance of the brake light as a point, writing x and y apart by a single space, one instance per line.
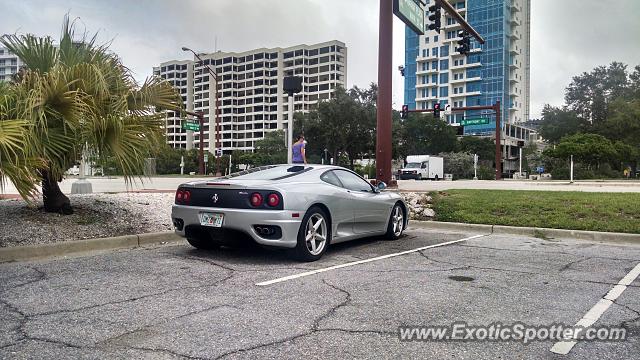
256 199
273 200
183 196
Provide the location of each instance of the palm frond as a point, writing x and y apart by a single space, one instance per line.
37 53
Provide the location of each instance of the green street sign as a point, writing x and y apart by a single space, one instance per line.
190 126
411 13
478 121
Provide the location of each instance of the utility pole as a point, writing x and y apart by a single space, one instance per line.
385 59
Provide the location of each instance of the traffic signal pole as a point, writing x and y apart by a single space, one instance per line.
496 108
385 59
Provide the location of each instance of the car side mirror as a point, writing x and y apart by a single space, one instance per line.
381 186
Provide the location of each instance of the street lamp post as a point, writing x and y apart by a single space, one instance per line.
214 75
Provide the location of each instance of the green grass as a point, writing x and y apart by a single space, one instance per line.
612 212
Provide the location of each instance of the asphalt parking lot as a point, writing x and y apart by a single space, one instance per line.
173 301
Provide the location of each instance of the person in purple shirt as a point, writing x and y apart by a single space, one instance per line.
298 151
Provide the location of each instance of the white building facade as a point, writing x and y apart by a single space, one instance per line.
9 64
250 91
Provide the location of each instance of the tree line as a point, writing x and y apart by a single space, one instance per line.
599 124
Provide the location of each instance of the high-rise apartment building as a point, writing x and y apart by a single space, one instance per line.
250 90
497 70
9 64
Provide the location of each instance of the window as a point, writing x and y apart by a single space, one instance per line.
444 64
352 181
331 178
444 51
444 91
444 78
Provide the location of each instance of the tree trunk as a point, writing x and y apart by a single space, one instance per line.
54 199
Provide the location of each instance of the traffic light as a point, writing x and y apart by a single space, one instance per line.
436 110
435 13
464 43
404 112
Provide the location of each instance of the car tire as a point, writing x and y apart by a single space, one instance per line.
202 243
436 178
395 227
314 235
419 177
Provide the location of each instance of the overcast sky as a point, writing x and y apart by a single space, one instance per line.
567 37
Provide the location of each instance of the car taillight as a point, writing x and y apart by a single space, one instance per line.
183 197
256 199
273 200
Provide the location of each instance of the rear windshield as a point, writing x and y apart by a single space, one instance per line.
268 172
413 165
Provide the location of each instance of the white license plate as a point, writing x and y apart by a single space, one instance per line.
211 219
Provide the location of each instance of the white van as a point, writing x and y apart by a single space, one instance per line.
422 167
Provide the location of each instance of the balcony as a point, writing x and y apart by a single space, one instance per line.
427 85
428 71
515 6
515 35
515 21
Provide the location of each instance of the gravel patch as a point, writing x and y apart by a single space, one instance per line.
102 215
95 216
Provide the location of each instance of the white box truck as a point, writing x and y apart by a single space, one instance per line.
422 167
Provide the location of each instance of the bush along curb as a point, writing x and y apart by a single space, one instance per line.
542 233
29 252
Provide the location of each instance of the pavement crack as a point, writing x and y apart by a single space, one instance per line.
350 331
570 264
314 327
117 302
345 302
40 275
626 323
167 351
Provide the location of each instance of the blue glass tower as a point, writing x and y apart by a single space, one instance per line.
496 70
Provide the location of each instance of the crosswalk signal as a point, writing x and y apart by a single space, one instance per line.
435 13
436 110
464 44
404 112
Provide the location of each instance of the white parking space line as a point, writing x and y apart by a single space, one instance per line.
564 347
313 272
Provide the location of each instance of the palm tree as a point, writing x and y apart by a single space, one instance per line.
74 96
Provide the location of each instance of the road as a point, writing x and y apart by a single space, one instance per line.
172 301
118 184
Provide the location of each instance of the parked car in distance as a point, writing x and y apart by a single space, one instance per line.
302 208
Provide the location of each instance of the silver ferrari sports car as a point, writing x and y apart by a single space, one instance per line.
303 208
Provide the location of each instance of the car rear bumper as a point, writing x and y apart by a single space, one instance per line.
245 221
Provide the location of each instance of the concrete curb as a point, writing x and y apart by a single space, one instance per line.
30 252
451 226
597 236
